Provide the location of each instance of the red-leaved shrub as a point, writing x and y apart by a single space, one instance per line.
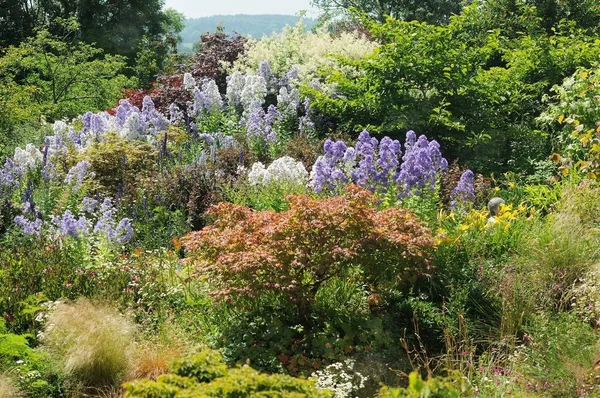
246 253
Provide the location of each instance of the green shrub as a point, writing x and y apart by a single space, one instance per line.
211 378
119 165
204 366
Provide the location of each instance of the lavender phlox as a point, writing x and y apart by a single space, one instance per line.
189 83
68 225
28 158
29 227
464 192
76 174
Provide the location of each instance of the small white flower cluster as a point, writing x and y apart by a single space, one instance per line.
284 169
288 101
131 127
188 81
341 379
288 48
29 157
254 93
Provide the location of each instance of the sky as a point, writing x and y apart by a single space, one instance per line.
203 8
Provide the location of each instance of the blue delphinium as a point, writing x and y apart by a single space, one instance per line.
421 164
88 205
11 175
265 71
331 170
108 227
124 231
259 126
377 162
29 227
68 225
464 193
76 174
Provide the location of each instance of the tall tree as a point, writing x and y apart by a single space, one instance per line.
117 26
432 11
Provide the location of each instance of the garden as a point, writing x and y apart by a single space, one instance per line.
407 207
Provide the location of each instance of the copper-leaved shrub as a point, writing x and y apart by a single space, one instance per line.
246 253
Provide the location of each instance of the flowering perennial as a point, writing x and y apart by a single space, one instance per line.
282 170
464 192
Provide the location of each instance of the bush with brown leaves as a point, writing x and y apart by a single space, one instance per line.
246 253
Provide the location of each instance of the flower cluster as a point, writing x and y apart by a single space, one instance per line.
208 98
332 169
68 225
259 126
288 101
375 165
10 176
254 92
76 174
282 170
421 164
28 158
108 227
341 379
29 227
464 193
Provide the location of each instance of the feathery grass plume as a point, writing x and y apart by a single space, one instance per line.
91 340
8 389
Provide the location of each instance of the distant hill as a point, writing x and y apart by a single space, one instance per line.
247 25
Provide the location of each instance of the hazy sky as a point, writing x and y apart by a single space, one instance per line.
202 8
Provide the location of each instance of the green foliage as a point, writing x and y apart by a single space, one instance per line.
477 91
204 366
431 11
452 386
213 379
55 76
119 165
